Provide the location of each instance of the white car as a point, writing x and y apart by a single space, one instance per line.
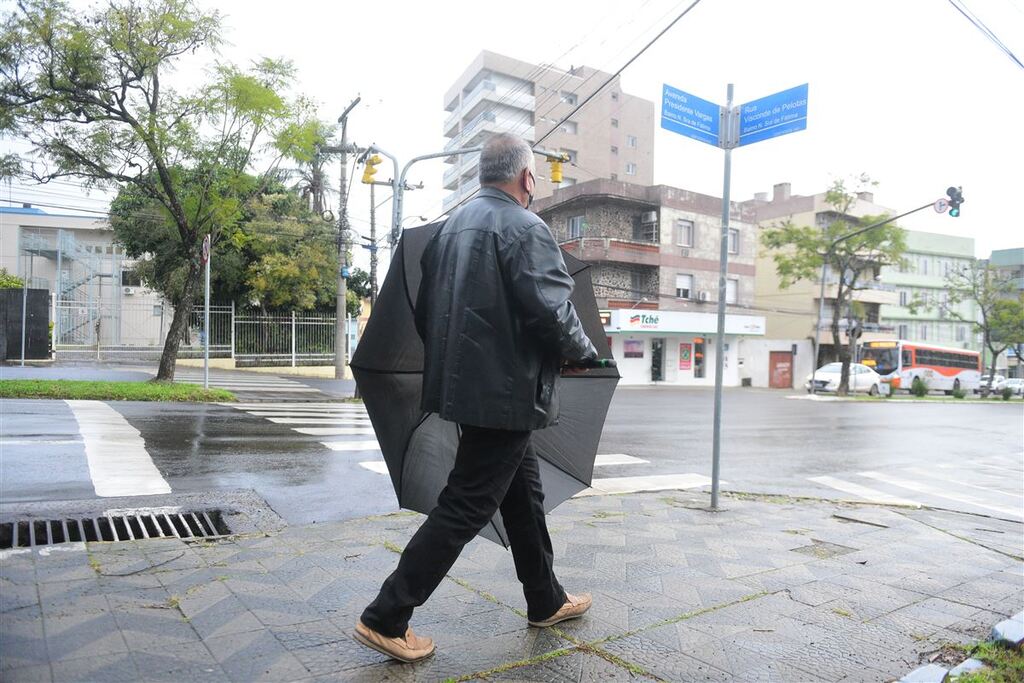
997 383
1015 385
862 379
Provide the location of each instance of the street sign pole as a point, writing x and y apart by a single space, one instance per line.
723 269
727 127
206 315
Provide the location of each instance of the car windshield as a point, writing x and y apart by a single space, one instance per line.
882 361
831 367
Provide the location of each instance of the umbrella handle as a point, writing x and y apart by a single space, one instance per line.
594 363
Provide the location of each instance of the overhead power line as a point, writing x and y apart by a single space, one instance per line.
986 31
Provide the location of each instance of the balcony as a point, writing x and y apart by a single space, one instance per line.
453 199
464 166
612 250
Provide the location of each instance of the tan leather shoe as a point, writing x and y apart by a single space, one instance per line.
408 648
575 606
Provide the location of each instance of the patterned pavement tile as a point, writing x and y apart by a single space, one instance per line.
664 662
80 635
184 662
22 643
112 668
28 674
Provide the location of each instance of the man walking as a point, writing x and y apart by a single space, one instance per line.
494 313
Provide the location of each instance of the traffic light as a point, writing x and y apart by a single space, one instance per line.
556 171
371 168
956 198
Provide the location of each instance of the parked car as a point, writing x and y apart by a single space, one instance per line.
862 378
997 383
1014 384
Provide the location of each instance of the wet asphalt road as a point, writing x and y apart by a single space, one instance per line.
959 456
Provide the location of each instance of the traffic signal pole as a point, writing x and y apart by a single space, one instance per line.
340 309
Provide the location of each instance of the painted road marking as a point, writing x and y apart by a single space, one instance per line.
334 431
617 459
656 482
921 472
298 413
378 466
291 405
317 421
119 464
941 493
868 494
352 445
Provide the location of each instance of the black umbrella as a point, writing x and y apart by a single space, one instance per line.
419 448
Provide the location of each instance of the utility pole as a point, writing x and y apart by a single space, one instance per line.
340 327
373 247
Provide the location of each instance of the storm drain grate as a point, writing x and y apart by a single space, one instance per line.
122 527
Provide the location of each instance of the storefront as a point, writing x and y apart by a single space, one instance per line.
674 347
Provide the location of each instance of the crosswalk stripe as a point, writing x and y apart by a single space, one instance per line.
305 405
354 414
378 466
939 493
921 472
617 459
868 494
316 421
656 482
352 445
333 431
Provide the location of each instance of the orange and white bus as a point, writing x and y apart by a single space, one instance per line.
900 363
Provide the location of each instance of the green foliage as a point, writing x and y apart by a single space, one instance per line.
94 91
919 387
1006 394
8 281
1006 664
959 393
110 391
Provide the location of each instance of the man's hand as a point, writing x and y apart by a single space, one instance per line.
573 370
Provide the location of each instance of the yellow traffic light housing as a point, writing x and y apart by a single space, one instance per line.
556 171
371 168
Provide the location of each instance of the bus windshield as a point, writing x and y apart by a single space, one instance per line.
882 361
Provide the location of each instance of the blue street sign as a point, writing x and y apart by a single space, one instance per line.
690 116
769 117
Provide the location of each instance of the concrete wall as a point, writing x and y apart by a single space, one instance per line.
754 356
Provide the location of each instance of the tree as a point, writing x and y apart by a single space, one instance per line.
1000 315
92 90
8 281
800 252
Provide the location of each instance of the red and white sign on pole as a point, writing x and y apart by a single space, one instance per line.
206 249
206 315
941 205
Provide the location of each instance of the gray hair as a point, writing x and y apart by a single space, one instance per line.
503 158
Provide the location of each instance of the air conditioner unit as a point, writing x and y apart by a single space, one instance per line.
703 296
684 252
649 217
128 291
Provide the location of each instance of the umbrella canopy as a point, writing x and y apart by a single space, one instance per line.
419 448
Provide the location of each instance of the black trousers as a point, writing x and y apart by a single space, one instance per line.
493 469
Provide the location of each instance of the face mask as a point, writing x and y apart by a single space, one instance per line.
529 195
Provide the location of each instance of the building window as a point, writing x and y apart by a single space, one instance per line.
571 153
734 241
615 97
129 278
615 150
615 176
961 333
732 286
684 286
924 266
574 226
923 334
630 169
567 182
569 127
902 331
904 297
615 123
636 281
684 233
569 98
698 357
633 348
631 141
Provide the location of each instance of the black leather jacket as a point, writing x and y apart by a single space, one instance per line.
494 313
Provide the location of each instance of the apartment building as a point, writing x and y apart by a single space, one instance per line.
612 137
653 252
1010 264
921 278
791 312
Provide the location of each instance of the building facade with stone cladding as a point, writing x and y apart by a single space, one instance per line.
654 257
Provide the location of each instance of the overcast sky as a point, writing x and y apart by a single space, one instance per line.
908 92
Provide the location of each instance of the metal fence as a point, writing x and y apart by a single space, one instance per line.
119 330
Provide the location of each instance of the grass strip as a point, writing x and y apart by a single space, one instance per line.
1006 664
81 390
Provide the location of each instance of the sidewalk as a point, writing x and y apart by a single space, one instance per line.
768 589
